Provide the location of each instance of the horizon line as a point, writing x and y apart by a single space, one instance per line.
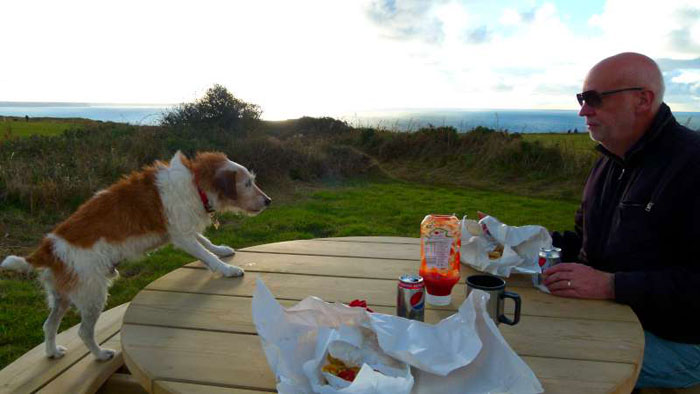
338 112
344 112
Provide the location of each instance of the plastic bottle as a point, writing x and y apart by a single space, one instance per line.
439 249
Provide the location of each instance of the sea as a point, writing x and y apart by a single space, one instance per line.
512 120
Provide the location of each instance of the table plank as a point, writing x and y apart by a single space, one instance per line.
194 356
211 312
358 267
580 376
363 250
407 249
532 336
194 311
387 239
350 267
164 387
205 357
574 339
342 248
377 292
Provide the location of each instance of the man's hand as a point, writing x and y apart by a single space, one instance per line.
579 281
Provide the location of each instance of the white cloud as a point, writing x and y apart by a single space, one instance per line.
317 57
650 28
687 76
510 17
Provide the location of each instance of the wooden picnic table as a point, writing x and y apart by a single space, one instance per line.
192 331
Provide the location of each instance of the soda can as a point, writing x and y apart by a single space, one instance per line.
548 257
410 297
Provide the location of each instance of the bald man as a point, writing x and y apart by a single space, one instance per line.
637 238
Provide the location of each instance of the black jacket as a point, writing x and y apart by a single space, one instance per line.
640 219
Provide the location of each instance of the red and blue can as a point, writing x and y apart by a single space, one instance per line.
410 298
547 258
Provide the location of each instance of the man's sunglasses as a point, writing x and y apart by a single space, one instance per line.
595 99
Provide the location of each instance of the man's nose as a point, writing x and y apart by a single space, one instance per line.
586 110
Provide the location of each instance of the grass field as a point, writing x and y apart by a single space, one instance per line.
11 127
362 207
578 141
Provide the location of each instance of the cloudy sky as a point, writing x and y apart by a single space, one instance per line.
324 57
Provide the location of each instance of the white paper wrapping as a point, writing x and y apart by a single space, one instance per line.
374 376
520 246
464 353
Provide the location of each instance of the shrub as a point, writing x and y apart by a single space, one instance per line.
307 126
218 109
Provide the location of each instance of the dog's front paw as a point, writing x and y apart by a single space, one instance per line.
58 352
223 251
105 354
231 271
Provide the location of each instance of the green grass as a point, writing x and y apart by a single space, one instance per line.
578 141
19 127
360 207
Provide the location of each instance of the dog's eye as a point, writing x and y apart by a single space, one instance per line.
248 183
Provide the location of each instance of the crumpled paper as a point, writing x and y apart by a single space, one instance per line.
464 353
374 374
521 246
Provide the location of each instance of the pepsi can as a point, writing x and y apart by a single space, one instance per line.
547 258
410 297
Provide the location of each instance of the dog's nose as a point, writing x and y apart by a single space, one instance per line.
268 201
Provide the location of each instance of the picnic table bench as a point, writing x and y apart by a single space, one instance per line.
77 372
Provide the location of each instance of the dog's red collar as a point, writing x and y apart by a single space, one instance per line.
203 196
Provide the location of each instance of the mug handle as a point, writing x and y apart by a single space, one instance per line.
502 317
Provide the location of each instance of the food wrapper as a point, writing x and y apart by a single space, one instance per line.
356 346
520 245
464 353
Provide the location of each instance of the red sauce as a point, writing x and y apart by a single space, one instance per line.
440 285
347 374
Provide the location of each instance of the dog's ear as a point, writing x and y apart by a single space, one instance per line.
225 183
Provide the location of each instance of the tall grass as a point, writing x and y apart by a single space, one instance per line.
483 157
58 172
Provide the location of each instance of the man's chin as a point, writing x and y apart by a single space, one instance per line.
594 133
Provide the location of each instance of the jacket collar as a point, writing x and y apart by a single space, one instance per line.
661 120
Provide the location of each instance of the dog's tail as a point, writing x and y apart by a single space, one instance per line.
40 259
15 263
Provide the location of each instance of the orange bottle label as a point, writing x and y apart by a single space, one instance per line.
440 245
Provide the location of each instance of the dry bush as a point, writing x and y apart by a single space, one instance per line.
58 173
481 152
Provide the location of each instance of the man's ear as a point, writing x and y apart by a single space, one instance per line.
225 183
645 100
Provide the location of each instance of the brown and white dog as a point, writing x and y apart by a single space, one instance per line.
162 203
